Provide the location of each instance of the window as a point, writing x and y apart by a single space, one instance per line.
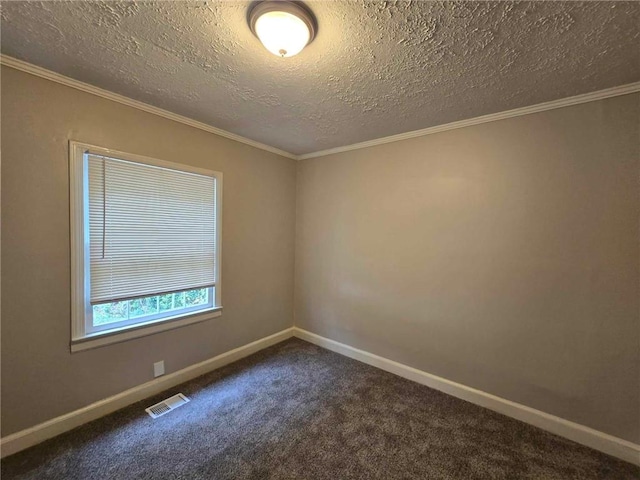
145 245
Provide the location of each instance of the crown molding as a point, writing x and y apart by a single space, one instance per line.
85 87
517 112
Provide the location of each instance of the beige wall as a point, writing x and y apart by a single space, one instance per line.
503 256
40 378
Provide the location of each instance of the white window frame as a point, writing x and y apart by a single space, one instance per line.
81 338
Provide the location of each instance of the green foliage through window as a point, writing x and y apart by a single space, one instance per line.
106 313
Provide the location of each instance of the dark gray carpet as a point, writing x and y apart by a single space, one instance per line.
296 411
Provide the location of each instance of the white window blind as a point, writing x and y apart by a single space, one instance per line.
151 229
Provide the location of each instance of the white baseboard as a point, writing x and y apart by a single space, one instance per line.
34 435
590 437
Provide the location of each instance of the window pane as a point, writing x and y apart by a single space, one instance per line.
110 312
155 307
179 299
196 297
166 302
143 306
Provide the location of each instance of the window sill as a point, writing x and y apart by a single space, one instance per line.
123 334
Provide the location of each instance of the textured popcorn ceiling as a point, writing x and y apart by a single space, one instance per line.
375 69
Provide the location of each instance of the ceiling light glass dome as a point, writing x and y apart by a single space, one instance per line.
284 28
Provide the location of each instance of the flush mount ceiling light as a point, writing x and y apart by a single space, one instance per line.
284 28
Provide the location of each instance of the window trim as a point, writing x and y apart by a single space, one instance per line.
79 216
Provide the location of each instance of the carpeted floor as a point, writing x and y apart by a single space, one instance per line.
296 411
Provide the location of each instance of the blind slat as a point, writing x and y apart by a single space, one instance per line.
152 230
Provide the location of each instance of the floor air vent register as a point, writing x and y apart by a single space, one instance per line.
165 406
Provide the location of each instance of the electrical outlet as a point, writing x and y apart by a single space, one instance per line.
158 368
